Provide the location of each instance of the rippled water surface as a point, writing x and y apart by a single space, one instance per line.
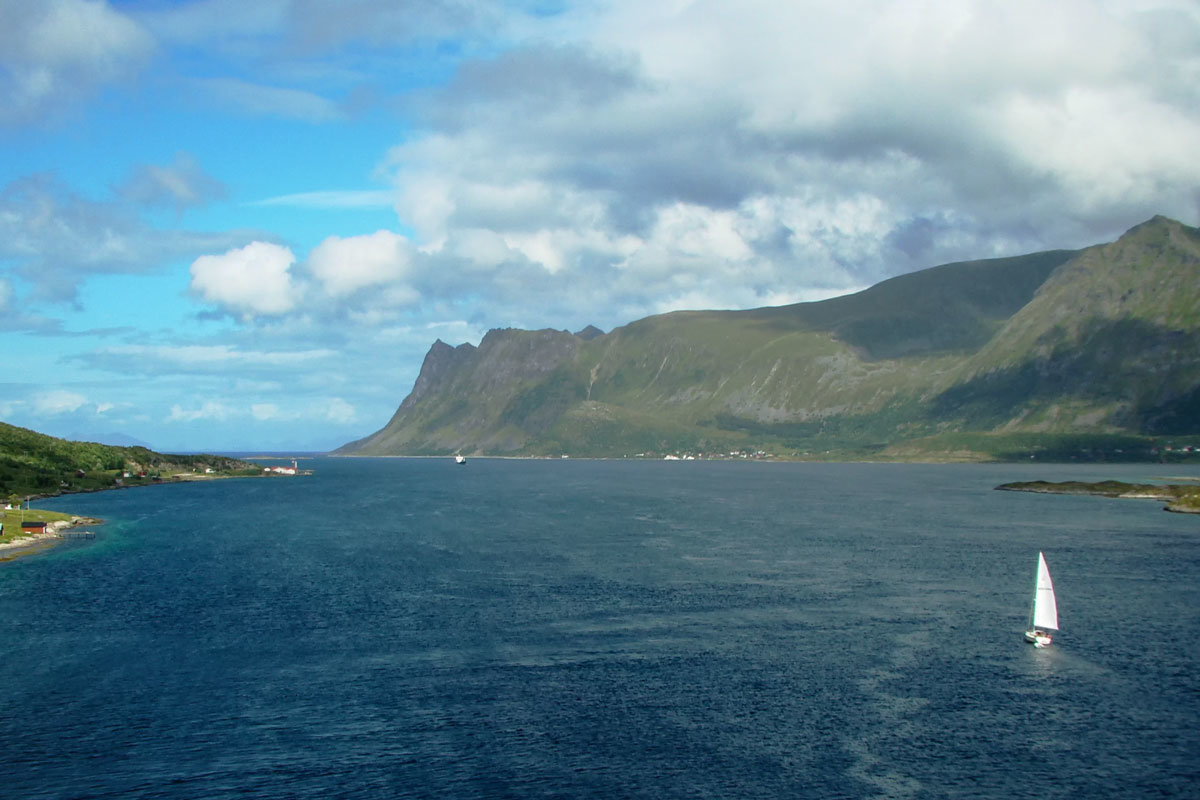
511 629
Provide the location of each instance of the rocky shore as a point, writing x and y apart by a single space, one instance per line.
1183 499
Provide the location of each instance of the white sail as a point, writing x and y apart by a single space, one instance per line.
1045 609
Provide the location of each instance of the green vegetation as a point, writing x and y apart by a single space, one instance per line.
1178 497
35 465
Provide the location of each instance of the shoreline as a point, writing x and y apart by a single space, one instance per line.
179 477
40 542
1178 499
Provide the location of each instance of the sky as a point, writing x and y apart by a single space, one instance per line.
232 226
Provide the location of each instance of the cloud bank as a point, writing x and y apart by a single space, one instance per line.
726 154
58 53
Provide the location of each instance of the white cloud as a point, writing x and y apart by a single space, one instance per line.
340 411
318 25
479 249
209 410
220 356
57 401
344 266
424 201
203 21
335 199
264 411
179 185
58 238
254 279
336 410
55 53
685 232
261 375
275 101
1069 136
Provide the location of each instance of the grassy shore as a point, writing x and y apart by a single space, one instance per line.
15 542
14 517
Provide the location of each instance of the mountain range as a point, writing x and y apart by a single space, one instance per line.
1091 353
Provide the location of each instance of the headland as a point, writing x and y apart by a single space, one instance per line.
1181 498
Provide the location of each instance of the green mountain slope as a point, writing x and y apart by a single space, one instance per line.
1100 342
1111 342
33 464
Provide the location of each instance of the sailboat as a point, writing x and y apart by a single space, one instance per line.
1043 615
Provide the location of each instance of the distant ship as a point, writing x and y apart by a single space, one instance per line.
458 459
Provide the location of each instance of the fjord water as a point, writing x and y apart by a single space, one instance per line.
510 629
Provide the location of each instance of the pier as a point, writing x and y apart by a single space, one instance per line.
76 534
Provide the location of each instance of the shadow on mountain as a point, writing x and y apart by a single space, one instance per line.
1137 369
951 308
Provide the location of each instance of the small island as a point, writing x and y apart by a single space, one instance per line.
1182 498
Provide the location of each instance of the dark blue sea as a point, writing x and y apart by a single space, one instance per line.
400 628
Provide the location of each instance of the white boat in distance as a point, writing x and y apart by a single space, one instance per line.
458 459
1043 615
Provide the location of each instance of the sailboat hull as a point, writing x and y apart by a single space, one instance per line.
1037 638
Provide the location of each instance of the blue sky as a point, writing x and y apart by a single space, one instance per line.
239 226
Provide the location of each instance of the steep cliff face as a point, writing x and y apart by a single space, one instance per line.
1103 340
441 362
490 398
